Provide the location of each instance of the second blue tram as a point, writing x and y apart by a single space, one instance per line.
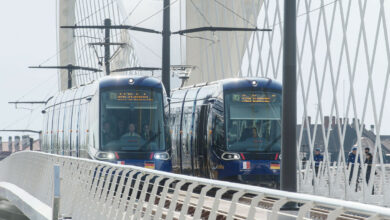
228 130
119 119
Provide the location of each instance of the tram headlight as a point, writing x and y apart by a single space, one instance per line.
161 156
254 83
105 156
231 156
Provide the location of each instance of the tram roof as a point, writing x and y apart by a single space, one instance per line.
122 81
241 83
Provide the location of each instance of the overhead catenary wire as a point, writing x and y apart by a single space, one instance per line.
88 13
200 12
95 12
310 11
36 86
156 13
20 118
59 51
148 48
227 8
131 12
235 13
199 37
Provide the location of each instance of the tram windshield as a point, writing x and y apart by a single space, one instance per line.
253 121
132 120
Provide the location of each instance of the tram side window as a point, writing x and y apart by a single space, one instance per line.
218 132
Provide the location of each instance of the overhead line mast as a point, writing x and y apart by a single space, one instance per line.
166 40
166 48
107 43
288 177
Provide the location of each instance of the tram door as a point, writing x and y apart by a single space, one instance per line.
188 132
175 118
201 140
185 139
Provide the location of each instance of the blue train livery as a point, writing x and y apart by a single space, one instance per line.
119 119
228 130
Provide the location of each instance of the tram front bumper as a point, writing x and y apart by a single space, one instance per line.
253 172
163 165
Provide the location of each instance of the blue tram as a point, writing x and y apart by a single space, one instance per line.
228 130
119 119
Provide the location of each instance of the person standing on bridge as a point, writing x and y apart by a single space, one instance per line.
368 161
351 160
318 158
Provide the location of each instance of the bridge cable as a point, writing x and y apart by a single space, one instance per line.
201 14
235 13
154 14
131 12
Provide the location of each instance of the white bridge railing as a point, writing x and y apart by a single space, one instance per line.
99 190
341 182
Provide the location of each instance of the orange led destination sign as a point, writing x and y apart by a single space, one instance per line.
250 98
131 96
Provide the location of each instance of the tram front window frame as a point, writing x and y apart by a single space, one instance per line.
145 112
253 130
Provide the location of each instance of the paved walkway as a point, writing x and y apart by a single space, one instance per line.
10 212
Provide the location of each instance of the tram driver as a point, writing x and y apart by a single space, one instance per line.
131 132
249 133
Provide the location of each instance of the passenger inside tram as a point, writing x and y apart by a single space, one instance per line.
253 121
107 133
248 133
147 134
121 128
132 120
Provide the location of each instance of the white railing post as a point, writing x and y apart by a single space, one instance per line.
56 191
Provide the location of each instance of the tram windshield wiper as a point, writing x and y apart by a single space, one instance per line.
150 140
268 147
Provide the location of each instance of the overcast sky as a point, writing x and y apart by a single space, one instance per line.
28 37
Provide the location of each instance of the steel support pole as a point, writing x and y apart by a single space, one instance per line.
166 44
107 23
288 177
69 78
